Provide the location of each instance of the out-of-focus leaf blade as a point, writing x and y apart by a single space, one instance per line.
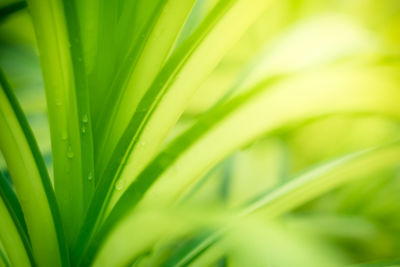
268 108
172 87
14 249
15 210
301 189
36 194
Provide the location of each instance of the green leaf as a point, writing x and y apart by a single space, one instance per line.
81 94
302 188
36 194
63 66
172 87
190 251
177 223
4 261
15 210
177 168
100 19
256 113
14 249
176 83
325 177
144 60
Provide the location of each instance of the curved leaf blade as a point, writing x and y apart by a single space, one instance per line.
172 87
302 188
177 168
14 247
36 194
63 67
15 210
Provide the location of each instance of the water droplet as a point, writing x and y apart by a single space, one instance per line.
70 153
143 143
85 118
83 129
90 176
120 185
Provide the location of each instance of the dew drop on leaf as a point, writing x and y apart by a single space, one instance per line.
70 153
85 118
90 176
120 185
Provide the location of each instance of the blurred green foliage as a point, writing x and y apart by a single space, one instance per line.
313 44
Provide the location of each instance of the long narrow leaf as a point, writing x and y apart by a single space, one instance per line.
60 45
4 261
15 210
172 87
82 103
36 195
143 62
177 82
11 239
305 187
180 165
261 110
